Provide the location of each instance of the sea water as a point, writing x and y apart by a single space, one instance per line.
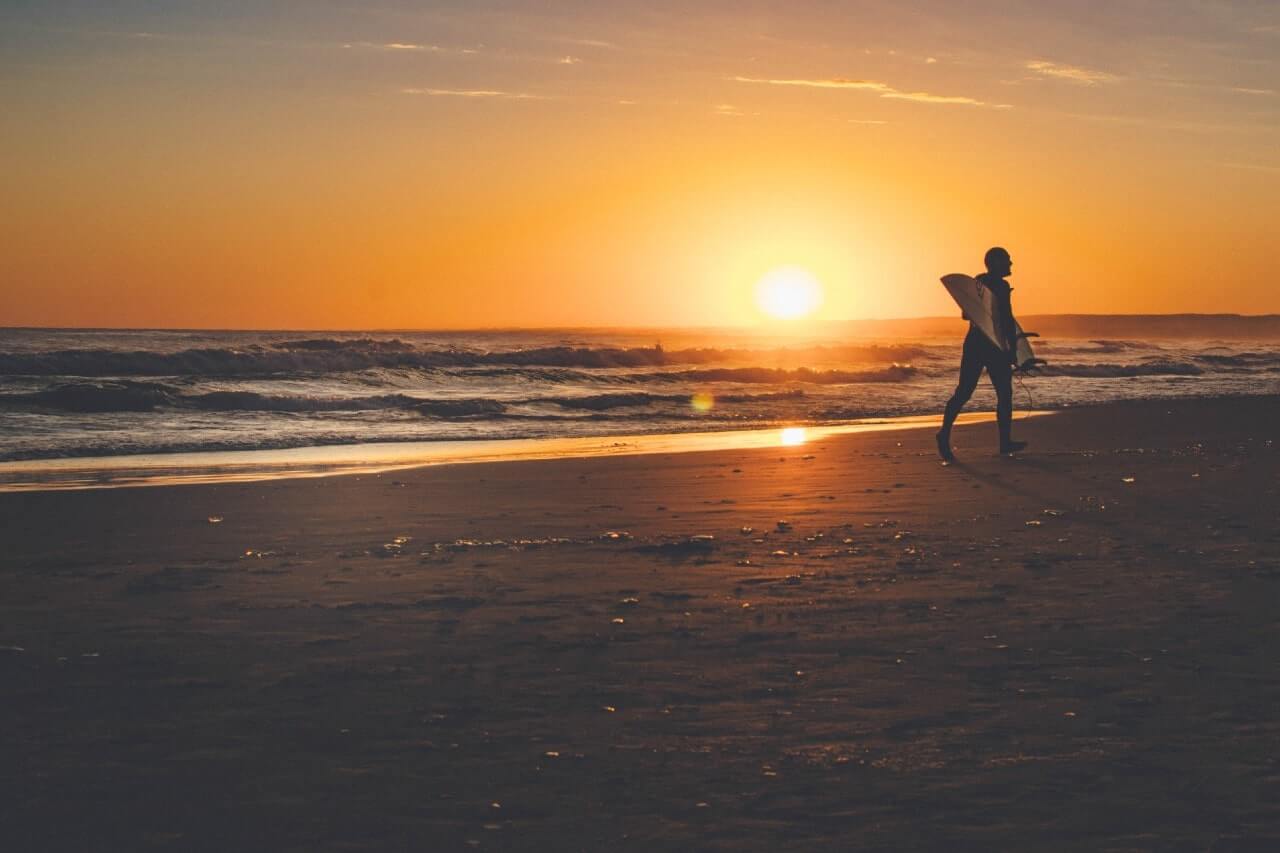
80 393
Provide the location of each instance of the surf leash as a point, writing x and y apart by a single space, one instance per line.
1031 401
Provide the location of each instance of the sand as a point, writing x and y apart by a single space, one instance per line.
843 645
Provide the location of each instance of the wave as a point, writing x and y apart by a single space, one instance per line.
604 402
458 408
1099 371
86 397
129 396
779 376
1092 347
1243 359
1106 346
324 355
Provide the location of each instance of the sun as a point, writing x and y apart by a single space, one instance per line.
788 293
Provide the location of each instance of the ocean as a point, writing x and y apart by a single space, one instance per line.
94 393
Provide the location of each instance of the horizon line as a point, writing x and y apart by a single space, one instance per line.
618 327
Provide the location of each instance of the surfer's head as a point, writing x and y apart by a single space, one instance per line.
998 261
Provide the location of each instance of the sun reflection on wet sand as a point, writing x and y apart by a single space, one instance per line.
792 436
249 465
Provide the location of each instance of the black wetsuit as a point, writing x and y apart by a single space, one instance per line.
980 352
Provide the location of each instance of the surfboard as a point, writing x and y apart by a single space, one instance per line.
975 300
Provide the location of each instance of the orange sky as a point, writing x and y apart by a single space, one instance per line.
433 165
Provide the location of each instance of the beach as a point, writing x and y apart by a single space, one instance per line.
834 645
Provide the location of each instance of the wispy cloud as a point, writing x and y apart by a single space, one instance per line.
1074 73
833 83
474 93
569 60
406 46
884 90
1245 90
930 60
928 98
867 121
731 111
1253 167
608 45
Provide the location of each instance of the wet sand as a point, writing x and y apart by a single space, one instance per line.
1074 650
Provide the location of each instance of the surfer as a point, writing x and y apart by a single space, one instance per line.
980 352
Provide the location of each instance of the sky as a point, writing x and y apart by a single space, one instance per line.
395 164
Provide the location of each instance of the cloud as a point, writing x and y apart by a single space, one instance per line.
867 121
1253 167
1244 90
408 47
474 93
927 98
884 90
834 83
569 60
393 45
1075 74
730 110
931 60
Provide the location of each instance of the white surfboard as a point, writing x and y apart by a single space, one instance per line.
976 301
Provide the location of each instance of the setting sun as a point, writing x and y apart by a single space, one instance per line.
788 293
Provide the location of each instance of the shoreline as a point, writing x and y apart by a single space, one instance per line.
247 466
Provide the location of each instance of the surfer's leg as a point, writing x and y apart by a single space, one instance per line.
1001 374
970 373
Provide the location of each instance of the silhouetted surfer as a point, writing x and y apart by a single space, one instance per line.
980 352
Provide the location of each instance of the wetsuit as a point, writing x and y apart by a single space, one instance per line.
980 352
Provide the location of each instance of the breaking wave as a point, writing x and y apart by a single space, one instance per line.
1243 359
324 355
127 396
1102 371
779 376
604 402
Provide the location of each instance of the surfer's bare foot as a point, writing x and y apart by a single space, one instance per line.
1013 446
944 447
